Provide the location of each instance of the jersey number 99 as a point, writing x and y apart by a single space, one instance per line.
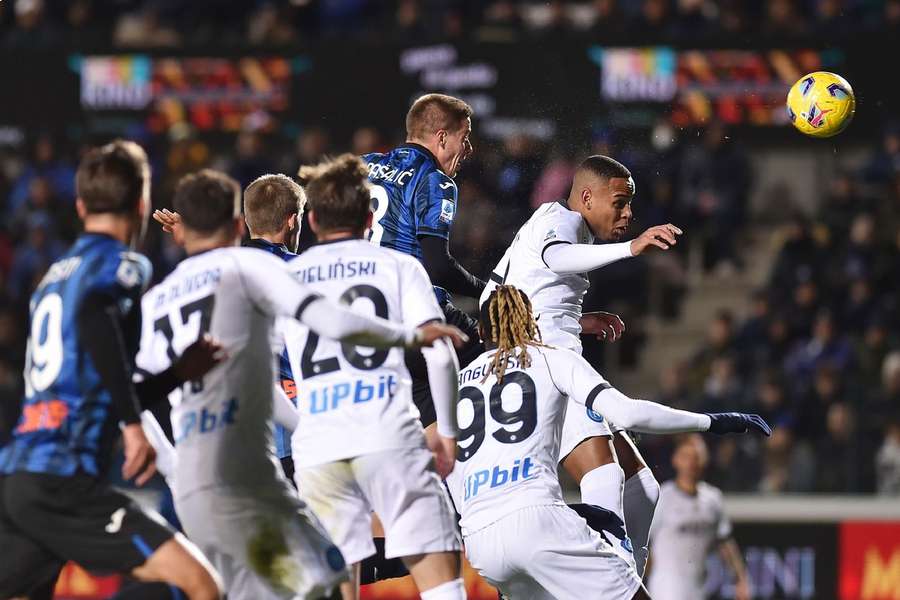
525 415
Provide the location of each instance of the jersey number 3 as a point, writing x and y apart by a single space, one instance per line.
525 415
379 209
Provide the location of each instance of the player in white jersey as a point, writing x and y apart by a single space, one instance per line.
549 260
360 446
229 492
517 529
691 524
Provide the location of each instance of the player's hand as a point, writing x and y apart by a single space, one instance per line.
140 457
735 422
428 334
169 219
660 236
199 358
742 590
444 450
606 326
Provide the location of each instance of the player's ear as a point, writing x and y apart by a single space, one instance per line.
586 197
442 137
81 208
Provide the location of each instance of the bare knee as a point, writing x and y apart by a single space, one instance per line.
179 563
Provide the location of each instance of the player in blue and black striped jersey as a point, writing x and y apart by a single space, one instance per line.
55 505
414 200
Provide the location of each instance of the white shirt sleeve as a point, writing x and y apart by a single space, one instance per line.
576 378
565 259
417 299
554 228
277 292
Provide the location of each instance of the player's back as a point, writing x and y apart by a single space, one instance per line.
68 423
354 400
509 437
222 423
412 197
555 299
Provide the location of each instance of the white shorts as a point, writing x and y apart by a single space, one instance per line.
549 552
580 424
265 544
400 486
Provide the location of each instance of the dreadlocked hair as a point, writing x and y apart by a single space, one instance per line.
509 322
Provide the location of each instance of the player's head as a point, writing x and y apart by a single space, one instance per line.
114 181
602 191
209 203
506 323
273 207
338 193
690 457
442 124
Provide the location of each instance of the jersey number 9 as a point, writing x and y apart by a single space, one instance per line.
44 356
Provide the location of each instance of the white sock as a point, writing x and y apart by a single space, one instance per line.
603 487
452 590
640 498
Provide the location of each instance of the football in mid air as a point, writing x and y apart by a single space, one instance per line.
821 104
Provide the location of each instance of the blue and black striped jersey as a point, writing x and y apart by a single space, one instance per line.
413 198
68 424
285 378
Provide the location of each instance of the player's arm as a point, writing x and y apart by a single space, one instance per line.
274 289
564 257
731 554
435 208
578 380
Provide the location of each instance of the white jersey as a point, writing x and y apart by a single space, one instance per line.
685 530
555 299
510 433
222 428
353 400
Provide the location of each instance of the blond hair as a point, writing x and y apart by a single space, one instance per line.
507 320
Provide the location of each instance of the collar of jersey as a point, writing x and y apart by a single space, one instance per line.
260 242
421 149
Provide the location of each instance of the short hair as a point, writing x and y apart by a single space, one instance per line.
338 192
112 178
604 167
433 112
207 200
270 200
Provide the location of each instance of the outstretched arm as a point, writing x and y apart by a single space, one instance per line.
566 258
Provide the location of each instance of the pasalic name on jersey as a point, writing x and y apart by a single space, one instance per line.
387 173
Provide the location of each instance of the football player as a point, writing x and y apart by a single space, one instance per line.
229 492
55 504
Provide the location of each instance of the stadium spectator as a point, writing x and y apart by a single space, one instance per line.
720 343
888 460
33 256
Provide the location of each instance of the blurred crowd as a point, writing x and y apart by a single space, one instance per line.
169 23
818 354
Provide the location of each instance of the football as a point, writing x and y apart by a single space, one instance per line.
821 104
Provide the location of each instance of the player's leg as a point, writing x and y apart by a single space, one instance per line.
334 496
406 492
588 456
79 519
640 496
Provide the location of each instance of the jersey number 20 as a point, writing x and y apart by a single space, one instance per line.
526 415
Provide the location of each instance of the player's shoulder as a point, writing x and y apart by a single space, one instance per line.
710 491
117 266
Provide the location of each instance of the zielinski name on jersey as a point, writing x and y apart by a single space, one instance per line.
337 270
390 174
498 476
346 393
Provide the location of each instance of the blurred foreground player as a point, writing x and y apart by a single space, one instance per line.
690 525
229 492
548 260
85 323
273 210
359 447
517 529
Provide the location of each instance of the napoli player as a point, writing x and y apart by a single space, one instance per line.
517 529
85 318
548 260
238 507
273 209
